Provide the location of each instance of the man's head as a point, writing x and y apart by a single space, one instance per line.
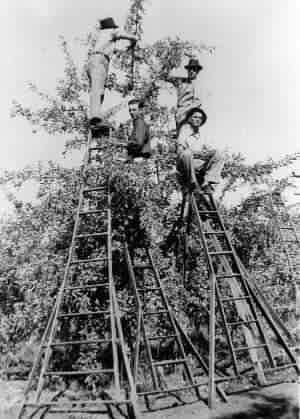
193 68
196 118
134 107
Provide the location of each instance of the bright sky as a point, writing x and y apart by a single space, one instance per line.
250 84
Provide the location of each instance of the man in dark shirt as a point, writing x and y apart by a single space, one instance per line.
139 136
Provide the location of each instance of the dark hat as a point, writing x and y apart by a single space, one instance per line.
108 23
193 63
197 109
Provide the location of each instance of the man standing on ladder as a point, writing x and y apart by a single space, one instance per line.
187 91
98 67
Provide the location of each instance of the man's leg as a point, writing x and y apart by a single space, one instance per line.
185 169
209 171
214 169
97 73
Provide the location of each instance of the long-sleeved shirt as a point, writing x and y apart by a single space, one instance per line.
189 139
188 96
140 135
107 38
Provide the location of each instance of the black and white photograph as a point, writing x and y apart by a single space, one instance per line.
150 209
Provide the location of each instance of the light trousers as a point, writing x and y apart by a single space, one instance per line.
97 71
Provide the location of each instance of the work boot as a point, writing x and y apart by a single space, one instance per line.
100 129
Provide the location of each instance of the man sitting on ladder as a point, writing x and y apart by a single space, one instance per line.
197 167
98 66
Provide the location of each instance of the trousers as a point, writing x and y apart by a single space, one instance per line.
199 169
97 72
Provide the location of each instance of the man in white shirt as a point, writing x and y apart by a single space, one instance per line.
197 167
98 66
187 91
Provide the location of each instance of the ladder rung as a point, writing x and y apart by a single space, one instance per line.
223 276
88 286
92 212
95 148
286 228
79 342
246 348
85 313
83 236
85 372
245 297
142 266
155 313
96 189
221 253
161 337
242 323
148 289
169 362
88 260
208 212
209 233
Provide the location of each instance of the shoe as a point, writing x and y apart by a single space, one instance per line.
209 187
101 129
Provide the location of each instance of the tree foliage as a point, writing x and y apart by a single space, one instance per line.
36 237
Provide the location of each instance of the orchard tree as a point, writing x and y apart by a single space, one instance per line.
35 238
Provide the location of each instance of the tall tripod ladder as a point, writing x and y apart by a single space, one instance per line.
84 331
247 324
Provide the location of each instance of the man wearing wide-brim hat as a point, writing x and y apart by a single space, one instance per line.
98 66
198 167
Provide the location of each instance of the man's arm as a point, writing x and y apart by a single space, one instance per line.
119 35
182 141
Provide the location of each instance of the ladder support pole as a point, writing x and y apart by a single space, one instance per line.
212 322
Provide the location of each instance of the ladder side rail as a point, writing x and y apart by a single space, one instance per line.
280 229
111 296
240 306
66 274
59 299
247 278
139 311
202 236
201 361
212 343
269 318
171 319
270 312
275 329
121 340
40 352
143 328
245 284
212 271
227 331
243 311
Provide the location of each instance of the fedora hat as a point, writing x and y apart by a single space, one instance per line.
194 110
108 23
193 63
